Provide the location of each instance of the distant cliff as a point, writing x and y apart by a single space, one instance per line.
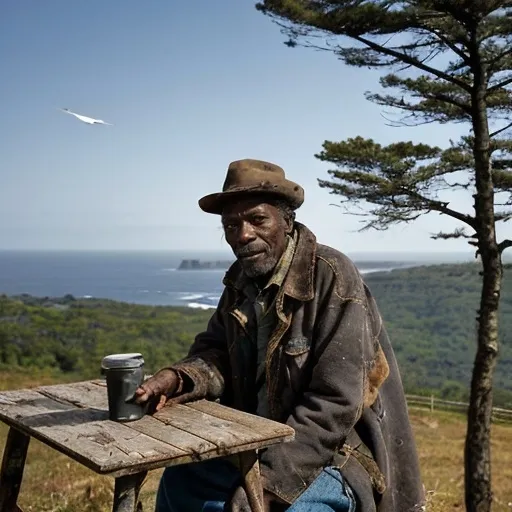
204 265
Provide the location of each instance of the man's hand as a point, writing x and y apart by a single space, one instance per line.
158 389
238 502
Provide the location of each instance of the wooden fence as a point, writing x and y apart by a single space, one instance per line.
433 403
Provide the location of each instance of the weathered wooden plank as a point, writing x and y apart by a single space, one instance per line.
80 394
104 446
169 434
11 473
16 396
223 433
16 405
264 426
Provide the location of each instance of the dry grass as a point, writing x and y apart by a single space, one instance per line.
440 438
52 482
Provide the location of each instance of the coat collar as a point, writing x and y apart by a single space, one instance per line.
299 282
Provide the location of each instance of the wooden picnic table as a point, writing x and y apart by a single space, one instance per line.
73 419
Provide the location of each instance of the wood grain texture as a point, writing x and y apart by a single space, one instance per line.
81 394
266 428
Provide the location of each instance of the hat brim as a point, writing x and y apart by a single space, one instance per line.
289 191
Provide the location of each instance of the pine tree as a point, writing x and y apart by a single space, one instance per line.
447 61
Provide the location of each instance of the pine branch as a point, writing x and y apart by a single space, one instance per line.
501 130
458 233
504 245
499 85
413 62
465 58
441 207
451 186
502 179
446 99
427 106
492 63
403 122
505 217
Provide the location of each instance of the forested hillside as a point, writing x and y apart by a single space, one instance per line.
73 335
429 313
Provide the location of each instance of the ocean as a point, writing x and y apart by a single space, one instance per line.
148 278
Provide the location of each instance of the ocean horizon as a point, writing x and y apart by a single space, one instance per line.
151 277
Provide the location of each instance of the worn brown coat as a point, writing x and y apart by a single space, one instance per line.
331 375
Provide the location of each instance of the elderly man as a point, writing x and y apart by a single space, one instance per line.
297 338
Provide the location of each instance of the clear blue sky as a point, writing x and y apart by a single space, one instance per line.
189 86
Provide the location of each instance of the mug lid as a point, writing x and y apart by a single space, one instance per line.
130 360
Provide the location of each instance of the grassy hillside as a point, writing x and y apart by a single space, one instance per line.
429 312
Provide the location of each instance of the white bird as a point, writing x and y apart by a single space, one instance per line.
85 119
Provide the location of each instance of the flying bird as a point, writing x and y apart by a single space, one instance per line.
85 119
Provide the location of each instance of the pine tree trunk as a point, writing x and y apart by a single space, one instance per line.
478 439
478 493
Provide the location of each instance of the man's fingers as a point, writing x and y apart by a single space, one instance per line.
140 393
145 392
161 402
141 396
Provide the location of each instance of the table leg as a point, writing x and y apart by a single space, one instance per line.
250 468
126 493
11 473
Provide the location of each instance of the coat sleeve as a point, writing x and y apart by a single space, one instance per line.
333 399
205 370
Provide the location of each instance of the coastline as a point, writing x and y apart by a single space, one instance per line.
204 300
144 280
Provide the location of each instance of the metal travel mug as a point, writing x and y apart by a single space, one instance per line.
124 374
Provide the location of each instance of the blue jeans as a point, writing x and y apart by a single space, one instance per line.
205 487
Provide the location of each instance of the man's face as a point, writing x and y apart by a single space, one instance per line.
256 231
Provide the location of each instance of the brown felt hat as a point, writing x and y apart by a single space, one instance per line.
253 177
